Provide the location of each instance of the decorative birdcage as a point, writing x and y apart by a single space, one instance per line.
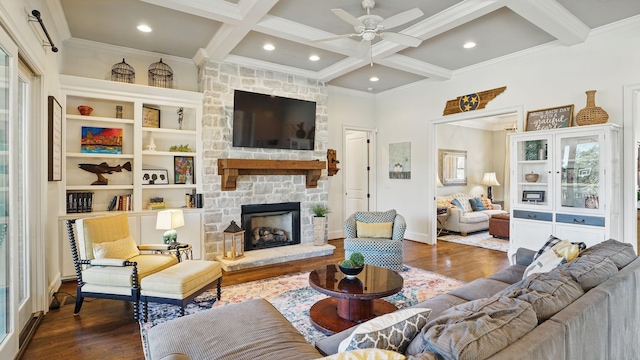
123 72
160 75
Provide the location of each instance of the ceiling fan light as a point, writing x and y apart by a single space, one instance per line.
314 57
469 45
269 47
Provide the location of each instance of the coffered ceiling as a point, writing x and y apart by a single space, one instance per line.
237 30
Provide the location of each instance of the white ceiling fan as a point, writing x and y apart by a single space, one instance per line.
371 26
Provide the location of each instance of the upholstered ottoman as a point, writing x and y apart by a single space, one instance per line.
180 283
499 225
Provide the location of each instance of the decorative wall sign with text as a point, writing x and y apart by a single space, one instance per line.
471 102
551 118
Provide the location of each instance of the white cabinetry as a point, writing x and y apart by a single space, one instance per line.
105 97
577 195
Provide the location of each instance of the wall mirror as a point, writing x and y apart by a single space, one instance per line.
452 167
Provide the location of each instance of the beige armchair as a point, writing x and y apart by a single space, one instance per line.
107 261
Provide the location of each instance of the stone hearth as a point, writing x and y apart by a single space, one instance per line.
276 255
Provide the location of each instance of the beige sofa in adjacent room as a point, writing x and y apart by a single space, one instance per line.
462 217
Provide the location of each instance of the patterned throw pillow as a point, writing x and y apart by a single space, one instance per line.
393 331
551 242
477 204
560 253
487 203
125 248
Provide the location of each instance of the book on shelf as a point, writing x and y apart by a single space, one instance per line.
79 202
121 203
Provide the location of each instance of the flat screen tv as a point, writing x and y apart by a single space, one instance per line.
266 121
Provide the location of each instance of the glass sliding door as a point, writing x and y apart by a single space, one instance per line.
9 283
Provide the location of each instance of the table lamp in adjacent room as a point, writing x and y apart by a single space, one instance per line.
490 180
170 220
438 182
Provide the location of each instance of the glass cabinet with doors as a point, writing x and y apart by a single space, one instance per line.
566 183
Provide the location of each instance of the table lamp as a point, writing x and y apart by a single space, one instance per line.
438 182
490 180
170 220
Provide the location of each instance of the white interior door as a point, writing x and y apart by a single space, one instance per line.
357 171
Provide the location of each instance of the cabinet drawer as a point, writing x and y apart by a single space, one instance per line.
580 219
532 215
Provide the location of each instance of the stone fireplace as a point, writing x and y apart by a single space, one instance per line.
271 225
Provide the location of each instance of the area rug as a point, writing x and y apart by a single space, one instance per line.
480 239
293 297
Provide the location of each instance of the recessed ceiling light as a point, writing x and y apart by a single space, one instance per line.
314 57
269 47
144 28
469 45
374 78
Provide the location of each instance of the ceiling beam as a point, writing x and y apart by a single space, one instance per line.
553 18
410 65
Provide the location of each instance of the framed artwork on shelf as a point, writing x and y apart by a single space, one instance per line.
55 140
101 140
183 170
533 196
150 117
551 118
155 176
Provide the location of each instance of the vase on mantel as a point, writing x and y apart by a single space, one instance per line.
591 114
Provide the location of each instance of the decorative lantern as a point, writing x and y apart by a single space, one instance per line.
160 75
123 72
235 235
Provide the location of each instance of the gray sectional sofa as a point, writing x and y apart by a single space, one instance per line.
585 309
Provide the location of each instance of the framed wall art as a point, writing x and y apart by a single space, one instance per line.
183 170
551 118
155 176
55 140
150 117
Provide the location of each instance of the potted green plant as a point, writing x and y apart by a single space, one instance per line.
320 223
353 265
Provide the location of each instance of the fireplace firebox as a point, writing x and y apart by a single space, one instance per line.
271 225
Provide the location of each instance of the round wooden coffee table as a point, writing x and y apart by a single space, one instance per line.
352 301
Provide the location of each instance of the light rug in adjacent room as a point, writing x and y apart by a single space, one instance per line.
293 297
481 239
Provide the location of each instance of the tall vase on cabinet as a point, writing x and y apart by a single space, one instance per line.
320 224
591 114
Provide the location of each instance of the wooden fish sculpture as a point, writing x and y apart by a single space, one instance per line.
104 168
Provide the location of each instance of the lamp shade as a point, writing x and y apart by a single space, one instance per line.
438 182
490 179
169 219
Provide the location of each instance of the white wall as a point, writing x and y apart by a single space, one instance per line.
552 76
350 109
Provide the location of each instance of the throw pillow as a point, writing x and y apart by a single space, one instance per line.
477 329
559 253
366 354
374 230
487 203
393 331
551 242
125 248
376 216
458 204
477 204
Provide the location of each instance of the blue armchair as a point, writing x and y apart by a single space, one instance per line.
380 245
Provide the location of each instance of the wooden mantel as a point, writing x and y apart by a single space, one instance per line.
230 169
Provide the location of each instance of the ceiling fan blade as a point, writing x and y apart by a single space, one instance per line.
347 17
401 39
335 37
363 49
402 18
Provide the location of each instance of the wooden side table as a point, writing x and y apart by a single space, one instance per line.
442 216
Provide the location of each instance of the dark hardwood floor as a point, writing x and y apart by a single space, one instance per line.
105 329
